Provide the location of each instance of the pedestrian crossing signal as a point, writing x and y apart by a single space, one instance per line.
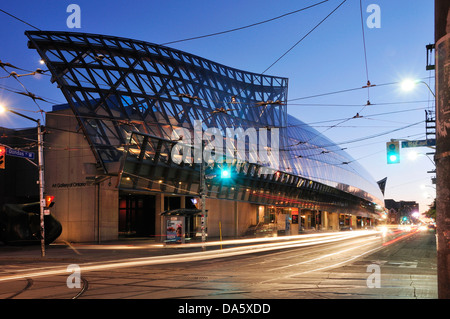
49 201
2 157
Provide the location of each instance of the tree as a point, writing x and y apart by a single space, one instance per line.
431 213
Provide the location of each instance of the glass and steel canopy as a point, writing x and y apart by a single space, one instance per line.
132 98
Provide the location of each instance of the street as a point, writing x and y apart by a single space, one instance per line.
342 265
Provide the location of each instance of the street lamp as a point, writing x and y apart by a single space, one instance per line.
413 155
41 173
408 85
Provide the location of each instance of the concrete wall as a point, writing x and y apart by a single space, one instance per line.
108 212
235 217
79 203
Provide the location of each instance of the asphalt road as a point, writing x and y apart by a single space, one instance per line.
367 266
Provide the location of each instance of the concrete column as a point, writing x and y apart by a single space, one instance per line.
325 220
159 208
353 222
236 220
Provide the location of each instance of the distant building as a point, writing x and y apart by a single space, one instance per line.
397 211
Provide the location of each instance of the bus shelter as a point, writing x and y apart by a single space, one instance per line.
182 225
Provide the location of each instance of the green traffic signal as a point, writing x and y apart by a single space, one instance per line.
225 173
393 152
393 158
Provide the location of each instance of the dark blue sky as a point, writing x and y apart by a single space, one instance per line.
329 59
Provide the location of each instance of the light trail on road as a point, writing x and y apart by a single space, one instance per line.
370 241
230 242
334 265
401 237
295 242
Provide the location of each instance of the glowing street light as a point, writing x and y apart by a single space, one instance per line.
413 155
409 85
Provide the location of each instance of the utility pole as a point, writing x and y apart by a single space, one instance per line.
41 186
203 197
442 157
42 203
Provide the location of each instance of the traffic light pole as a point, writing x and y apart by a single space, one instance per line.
41 186
203 197
41 178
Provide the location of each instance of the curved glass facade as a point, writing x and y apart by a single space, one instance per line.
121 88
316 157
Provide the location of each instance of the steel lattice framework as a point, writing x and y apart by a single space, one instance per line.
131 95
115 86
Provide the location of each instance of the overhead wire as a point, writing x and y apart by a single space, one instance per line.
342 119
354 105
304 37
290 49
28 93
43 99
276 61
247 26
286 52
379 134
364 138
368 85
15 17
326 163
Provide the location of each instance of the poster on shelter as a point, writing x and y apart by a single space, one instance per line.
174 230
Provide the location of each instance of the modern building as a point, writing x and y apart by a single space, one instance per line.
127 147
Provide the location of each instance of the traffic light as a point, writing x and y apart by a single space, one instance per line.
49 201
2 157
225 173
393 152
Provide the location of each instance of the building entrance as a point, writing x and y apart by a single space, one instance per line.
137 215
